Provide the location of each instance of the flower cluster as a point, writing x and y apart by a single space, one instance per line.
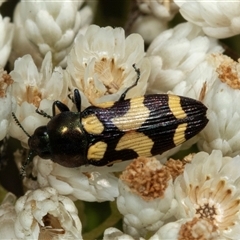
49 49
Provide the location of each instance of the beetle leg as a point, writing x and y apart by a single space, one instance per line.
76 99
137 70
60 106
44 114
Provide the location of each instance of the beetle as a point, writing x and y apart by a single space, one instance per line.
116 131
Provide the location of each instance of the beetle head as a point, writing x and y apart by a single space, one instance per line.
39 142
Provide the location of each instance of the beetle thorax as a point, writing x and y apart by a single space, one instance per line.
67 139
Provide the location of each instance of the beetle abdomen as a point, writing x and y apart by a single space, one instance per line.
143 126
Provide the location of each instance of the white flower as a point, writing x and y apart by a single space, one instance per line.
100 64
7 102
7 217
221 96
146 196
162 9
185 228
175 53
44 214
43 26
84 183
6 33
219 19
35 89
209 189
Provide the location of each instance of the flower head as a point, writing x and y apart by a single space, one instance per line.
100 65
175 53
221 96
44 213
146 196
209 189
218 19
35 89
87 183
43 26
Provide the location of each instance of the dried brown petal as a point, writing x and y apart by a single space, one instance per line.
176 167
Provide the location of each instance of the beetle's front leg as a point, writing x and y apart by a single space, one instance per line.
76 99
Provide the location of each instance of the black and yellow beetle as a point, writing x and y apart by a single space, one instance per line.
117 131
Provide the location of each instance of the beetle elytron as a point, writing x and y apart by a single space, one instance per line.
116 131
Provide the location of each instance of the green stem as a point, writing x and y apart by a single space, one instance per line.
109 222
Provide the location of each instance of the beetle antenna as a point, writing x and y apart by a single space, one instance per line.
26 163
19 124
42 113
30 156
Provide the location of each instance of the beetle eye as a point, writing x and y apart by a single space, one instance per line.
39 142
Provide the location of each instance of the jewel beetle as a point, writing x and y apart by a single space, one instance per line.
116 131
